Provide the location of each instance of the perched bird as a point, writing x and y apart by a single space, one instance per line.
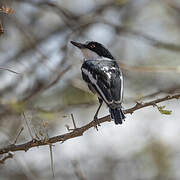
103 76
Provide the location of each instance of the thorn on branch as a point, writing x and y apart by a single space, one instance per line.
73 121
51 157
74 124
138 104
29 129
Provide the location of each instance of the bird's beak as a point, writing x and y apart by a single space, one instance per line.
79 45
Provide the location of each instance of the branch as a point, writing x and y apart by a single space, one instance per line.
6 69
79 131
9 155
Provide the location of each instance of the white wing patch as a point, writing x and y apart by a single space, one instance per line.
94 82
122 86
121 90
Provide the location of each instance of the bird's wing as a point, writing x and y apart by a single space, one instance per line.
106 78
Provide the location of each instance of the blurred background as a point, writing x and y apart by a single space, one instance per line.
143 35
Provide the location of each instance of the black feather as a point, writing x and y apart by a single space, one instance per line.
117 115
106 77
99 49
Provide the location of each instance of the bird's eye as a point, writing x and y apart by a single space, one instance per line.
92 46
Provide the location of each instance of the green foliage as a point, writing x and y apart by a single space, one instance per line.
162 110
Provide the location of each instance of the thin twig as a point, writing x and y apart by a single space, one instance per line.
21 130
6 69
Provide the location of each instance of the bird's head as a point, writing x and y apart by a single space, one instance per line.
93 50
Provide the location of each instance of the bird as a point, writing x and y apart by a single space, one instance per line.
104 78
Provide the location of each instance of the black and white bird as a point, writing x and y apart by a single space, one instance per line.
103 76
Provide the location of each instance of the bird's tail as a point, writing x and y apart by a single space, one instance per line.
117 115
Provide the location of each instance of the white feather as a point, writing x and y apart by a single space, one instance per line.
88 54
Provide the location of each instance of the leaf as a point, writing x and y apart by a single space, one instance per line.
162 110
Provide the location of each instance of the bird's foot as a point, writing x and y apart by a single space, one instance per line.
96 122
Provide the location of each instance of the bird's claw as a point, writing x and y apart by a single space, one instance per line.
96 122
